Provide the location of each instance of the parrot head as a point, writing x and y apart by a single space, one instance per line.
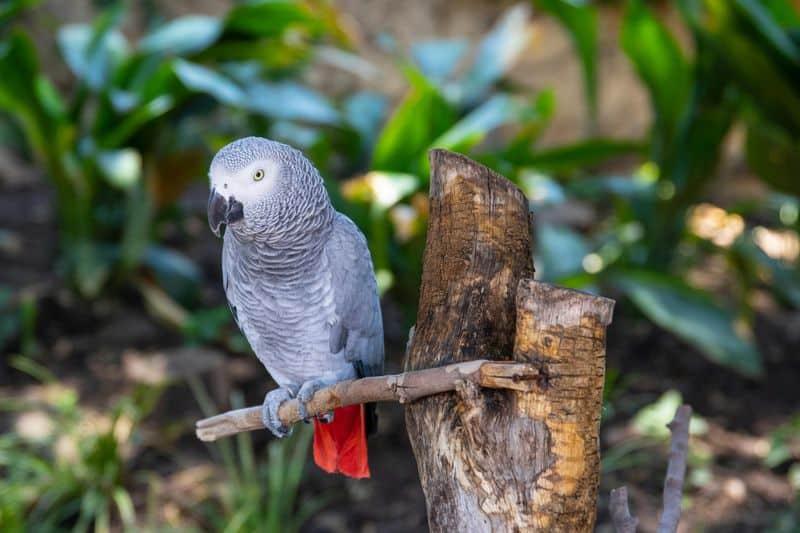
264 190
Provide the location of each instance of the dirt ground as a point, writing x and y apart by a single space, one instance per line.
88 346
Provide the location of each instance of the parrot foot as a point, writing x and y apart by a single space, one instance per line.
269 412
305 394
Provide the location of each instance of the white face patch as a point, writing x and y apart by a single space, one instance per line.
244 185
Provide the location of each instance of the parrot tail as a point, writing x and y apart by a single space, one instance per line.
341 445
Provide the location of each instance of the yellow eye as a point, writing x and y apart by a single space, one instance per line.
259 175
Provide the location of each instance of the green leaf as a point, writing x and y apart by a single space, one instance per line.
204 80
420 118
270 18
497 53
19 70
783 13
769 29
11 8
580 20
498 110
695 317
182 36
659 63
775 155
582 154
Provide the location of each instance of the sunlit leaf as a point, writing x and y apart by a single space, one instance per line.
185 35
270 18
122 168
694 317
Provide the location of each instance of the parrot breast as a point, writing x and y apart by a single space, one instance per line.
286 309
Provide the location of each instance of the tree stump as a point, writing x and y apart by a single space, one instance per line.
501 460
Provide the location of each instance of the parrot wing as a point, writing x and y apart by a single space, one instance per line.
358 328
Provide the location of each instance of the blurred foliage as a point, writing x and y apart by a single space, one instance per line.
126 141
122 144
658 230
258 495
65 467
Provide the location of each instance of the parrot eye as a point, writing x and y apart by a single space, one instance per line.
259 175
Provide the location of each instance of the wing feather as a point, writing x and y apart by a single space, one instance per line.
359 326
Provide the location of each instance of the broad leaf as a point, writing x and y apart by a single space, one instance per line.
438 59
499 110
288 100
659 63
582 154
420 118
579 18
204 80
270 18
695 317
497 53
92 53
185 35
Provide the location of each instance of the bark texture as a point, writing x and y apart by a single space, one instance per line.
493 460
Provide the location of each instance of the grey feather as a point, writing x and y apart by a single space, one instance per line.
298 275
356 295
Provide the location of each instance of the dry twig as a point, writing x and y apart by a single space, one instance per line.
676 469
401 388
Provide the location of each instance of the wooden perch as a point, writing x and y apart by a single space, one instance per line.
502 460
401 388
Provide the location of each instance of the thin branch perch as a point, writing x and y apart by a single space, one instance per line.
676 470
401 388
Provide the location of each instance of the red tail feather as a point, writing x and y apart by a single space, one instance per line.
341 445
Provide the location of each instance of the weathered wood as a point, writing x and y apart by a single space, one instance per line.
402 388
502 460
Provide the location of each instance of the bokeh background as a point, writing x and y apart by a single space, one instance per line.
658 143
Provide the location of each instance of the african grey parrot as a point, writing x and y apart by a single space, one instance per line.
299 281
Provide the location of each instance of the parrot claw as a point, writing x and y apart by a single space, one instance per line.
305 394
269 412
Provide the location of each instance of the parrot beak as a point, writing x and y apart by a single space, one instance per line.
223 211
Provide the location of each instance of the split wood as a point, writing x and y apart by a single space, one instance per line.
402 388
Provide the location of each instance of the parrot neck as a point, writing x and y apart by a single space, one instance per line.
293 248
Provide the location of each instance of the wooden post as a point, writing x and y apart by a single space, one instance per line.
498 460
